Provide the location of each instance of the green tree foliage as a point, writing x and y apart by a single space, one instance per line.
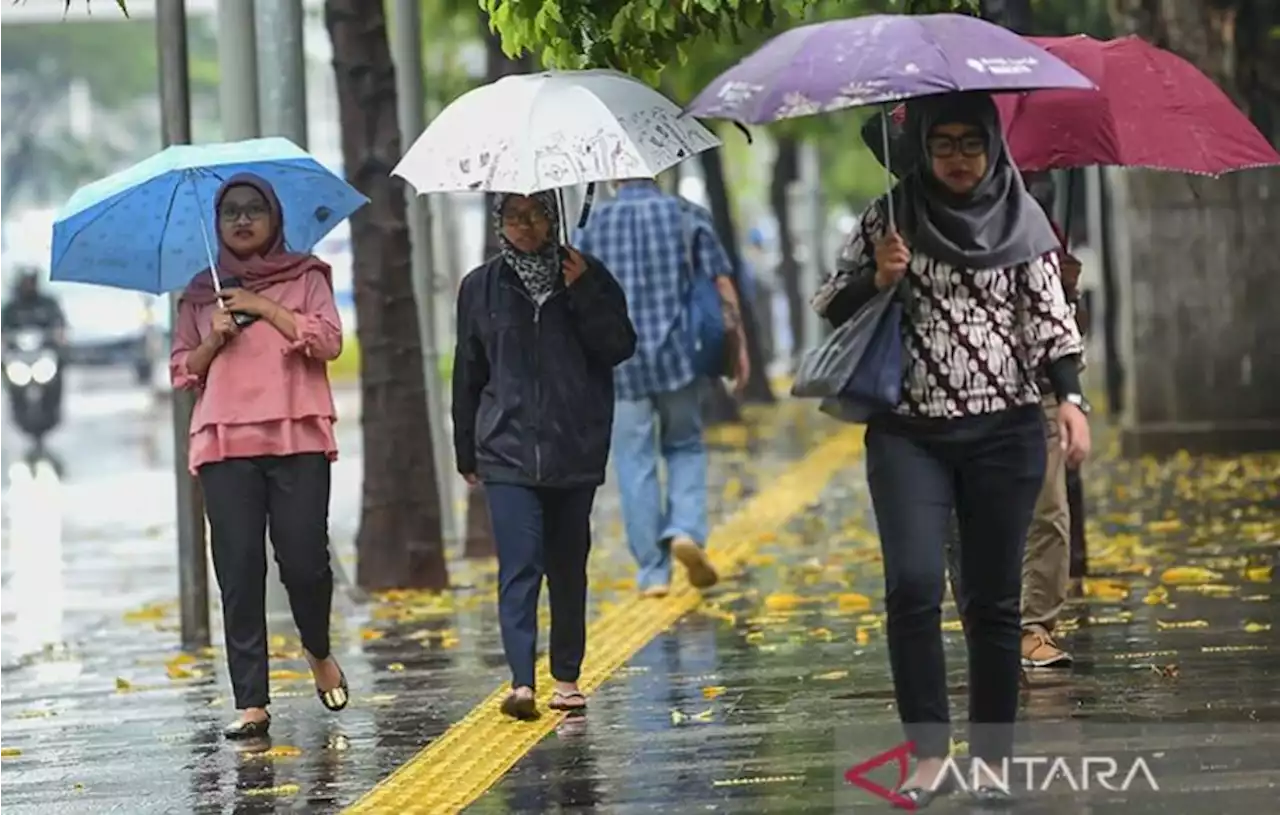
642 37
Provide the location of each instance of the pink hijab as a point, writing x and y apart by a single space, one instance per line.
274 265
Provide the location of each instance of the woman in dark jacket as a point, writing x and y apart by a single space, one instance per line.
540 329
985 316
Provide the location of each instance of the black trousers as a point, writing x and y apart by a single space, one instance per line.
987 470
244 498
542 532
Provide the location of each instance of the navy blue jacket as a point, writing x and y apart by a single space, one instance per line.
533 385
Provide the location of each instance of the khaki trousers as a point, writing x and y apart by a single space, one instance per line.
1046 563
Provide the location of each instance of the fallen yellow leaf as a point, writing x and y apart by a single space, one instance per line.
279 751
862 636
123 685
1170 525
282 790
1171 624
1186 575
150 613
1257 628
853 603
831 676
396 666
1108 590
367 634
712 691
1258 574
782 602
286 675
177 672
1157 596
10 752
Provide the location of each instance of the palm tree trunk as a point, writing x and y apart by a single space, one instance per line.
399 543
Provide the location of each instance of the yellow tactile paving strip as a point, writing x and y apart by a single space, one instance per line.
457 768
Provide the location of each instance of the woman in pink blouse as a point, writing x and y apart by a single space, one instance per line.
262 435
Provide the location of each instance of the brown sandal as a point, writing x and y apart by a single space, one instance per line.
561 700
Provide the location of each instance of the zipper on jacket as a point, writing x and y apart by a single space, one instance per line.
537 374
537 390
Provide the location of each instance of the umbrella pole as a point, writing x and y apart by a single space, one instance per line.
564 217
204 235
888 173
1066 215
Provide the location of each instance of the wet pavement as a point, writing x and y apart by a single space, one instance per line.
757 702
101 495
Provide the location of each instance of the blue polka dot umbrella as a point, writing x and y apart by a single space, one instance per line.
151 227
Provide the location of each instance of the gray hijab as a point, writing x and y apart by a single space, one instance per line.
998 224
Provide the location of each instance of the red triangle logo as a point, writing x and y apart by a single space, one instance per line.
902 755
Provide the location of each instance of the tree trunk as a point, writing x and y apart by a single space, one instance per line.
400 543
757 390
786 169
1204 355
479 533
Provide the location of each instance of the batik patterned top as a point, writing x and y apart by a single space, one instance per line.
975 341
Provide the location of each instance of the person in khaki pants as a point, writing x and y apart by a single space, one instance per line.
1046 563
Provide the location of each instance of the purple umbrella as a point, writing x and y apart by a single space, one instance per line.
875 59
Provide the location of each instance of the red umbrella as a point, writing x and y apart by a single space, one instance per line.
1152 109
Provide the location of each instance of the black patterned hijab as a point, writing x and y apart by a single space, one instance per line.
539 270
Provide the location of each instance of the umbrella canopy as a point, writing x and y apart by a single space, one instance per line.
151 227
1153 109
531 132
875 59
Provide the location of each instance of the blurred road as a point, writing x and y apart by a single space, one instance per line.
104 492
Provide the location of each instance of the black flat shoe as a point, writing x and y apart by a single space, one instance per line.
336 698
992 797
921 797
244 729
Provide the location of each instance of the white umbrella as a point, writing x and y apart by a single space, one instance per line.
531 132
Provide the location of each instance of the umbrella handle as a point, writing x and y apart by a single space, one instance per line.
204 235
888 173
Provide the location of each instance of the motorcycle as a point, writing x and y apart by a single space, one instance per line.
33 379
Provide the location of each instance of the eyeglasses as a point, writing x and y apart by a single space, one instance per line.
254 212
533 218
969 146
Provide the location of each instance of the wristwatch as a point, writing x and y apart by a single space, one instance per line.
1079 401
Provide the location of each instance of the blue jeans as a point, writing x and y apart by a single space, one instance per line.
670 425
542 532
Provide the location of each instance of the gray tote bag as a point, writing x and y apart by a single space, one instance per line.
825 370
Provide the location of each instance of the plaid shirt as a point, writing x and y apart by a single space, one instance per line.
642 238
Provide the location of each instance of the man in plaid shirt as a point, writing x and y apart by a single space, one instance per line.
652 243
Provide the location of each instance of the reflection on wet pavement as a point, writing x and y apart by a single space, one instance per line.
34 590
756 703
762 702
